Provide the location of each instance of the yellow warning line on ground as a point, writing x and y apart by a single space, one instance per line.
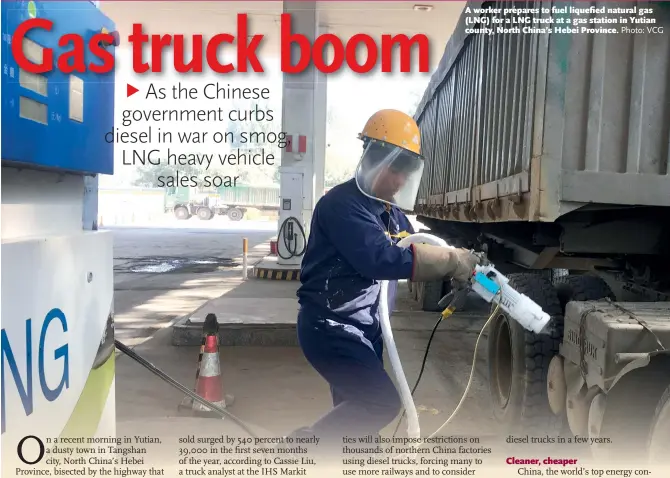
274 274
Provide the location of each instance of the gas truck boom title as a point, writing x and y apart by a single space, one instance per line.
205 52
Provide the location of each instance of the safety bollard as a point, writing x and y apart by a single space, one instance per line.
245 249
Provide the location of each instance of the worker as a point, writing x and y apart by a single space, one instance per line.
348 253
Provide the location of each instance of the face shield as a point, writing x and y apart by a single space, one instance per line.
390 174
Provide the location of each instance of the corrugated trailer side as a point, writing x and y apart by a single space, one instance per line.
529 127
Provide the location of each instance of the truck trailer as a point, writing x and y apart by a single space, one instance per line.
550 152
233 202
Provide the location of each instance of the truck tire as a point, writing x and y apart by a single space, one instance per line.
235 214
205 214
581 288
659 435
518 362
182 213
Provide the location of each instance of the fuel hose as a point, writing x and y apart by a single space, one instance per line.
290 238
413 428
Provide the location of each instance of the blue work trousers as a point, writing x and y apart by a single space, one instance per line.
365 399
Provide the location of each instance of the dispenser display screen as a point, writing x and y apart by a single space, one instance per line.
33 82
33 110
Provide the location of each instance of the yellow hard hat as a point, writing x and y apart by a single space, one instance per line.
393 127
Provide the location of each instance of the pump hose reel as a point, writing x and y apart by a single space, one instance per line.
290 238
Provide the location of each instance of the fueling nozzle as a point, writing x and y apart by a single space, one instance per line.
455 299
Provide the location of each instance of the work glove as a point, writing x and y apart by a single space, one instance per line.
432 263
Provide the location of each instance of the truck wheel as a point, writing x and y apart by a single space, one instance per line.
205 214
235 214
659 437
518 362
581 288
181 213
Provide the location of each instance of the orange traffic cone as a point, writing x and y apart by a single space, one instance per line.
187 402
208 381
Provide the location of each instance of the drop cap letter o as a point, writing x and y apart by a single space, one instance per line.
19 450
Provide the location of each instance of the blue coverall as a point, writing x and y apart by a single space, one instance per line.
348 253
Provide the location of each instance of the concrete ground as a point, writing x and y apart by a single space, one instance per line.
165 271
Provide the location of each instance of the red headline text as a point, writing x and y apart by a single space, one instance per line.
411 50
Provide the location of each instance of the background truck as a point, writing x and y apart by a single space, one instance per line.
232 202
550 152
